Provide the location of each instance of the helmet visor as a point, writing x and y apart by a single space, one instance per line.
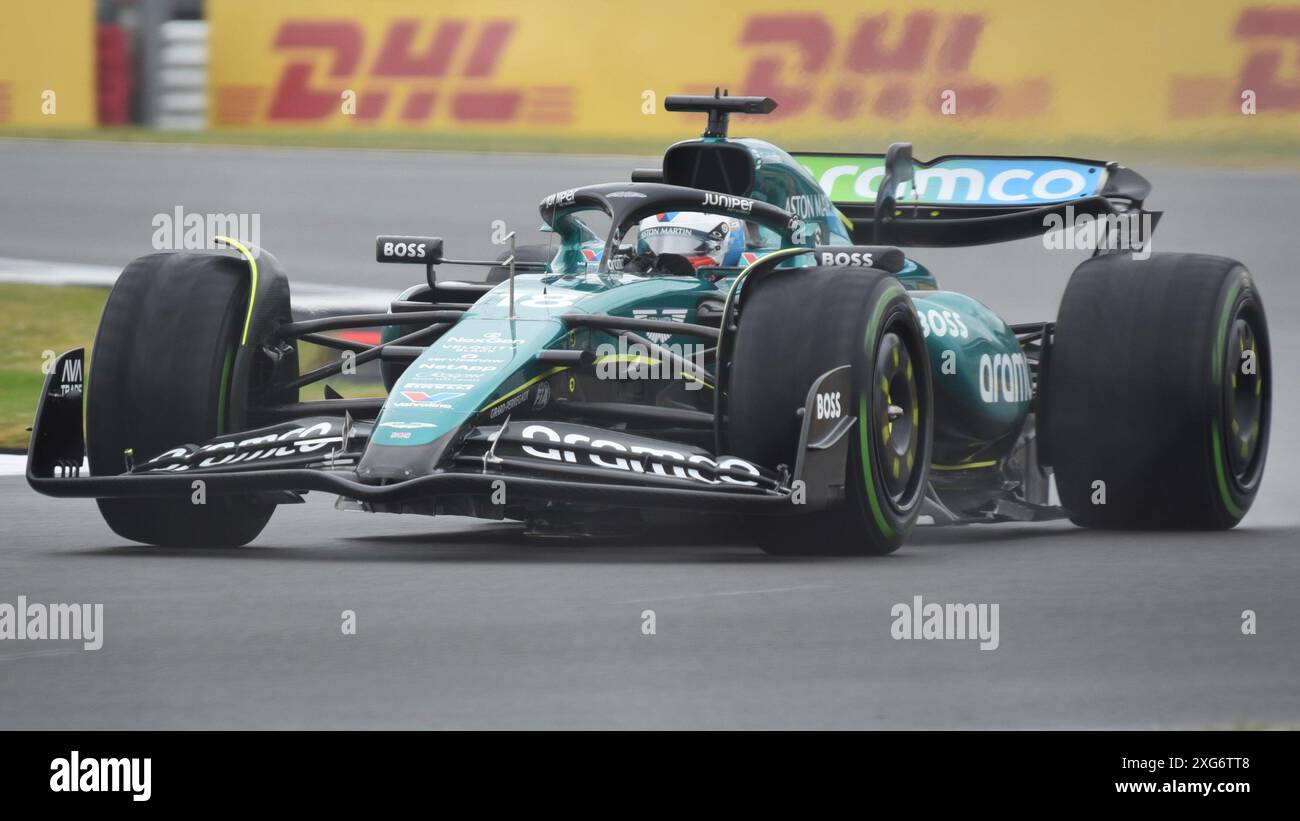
667 239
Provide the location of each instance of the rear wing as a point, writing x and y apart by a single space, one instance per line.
958 200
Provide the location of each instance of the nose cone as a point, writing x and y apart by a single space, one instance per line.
397 462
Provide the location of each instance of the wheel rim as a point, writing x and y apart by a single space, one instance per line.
896 417
1244 398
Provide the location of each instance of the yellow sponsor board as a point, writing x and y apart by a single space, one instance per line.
843 72
47 64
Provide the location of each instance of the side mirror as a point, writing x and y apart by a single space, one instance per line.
898 163
413 250
898 170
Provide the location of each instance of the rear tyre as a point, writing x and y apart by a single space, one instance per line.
523 253
1159 392
795 326
160 377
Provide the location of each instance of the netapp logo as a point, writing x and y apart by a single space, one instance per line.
645 459
129 775
729 202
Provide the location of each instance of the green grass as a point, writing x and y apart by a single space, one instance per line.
353 386
38 318
1210 150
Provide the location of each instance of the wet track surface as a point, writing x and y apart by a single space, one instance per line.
466 624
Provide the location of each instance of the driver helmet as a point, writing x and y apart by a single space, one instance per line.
705 240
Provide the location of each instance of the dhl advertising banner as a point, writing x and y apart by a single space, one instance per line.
841 71
47 64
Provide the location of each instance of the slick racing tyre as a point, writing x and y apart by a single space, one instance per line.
796 325
160 378
1159 387
523 253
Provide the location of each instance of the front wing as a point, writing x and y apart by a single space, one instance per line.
541 463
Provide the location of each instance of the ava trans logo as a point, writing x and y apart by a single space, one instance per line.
960 180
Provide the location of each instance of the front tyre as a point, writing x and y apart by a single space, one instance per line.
160 377
1159 393
796 325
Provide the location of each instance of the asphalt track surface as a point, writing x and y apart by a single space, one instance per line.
467 624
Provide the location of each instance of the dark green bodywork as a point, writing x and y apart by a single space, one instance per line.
486 367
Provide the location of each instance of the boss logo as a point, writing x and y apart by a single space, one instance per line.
828 405
424 250
847 258
405 249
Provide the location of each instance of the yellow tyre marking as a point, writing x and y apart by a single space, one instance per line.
252 291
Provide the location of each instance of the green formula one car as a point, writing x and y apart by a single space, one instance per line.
745 339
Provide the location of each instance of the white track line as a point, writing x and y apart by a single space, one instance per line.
308 297
12 464
761 591
31 654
